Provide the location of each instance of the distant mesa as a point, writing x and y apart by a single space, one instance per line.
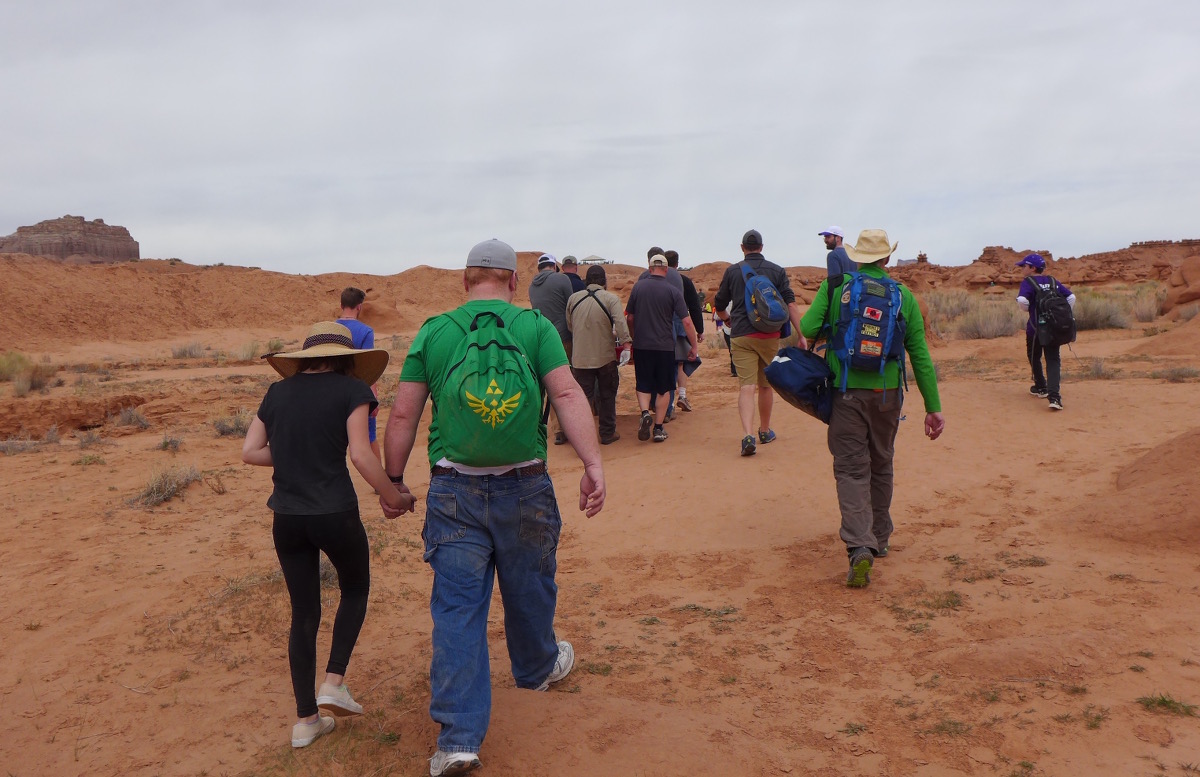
75 240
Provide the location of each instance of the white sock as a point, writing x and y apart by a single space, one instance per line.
682 393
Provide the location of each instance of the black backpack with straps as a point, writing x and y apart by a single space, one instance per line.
1054 319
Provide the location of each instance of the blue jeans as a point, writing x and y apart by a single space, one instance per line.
477 529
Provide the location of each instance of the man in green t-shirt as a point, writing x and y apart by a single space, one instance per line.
485 519
866 416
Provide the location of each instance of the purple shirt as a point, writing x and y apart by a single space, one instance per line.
1029 290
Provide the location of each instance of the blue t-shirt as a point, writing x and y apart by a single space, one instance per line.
363 335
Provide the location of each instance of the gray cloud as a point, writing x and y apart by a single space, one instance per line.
375 136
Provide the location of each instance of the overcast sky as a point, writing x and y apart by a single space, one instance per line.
374 136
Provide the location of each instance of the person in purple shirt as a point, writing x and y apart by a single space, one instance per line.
1047 385
364 337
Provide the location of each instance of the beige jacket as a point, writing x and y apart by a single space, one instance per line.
593 335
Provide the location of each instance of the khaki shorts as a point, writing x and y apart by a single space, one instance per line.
751 355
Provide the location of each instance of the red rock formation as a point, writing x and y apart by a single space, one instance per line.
72 239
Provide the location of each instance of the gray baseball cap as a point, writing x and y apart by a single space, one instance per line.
493 253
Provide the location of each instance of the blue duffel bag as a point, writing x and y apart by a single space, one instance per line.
804 381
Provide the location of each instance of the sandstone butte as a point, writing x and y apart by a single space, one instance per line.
73 239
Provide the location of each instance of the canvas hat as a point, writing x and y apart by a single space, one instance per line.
872 246
570 261
1033 260
329 338
493 253
545 259
752 239
835 231
658 260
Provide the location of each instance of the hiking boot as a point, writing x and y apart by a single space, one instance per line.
860 568
444 764
1056 403
766 437
882 552
684 405
748 445
1038 391
560 438
660 434
337 700
562 665
304 734
644 429
610 440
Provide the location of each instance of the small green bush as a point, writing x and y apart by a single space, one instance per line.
1099 311
12 364
989 320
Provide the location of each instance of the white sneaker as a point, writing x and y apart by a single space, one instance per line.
562 665
444 764
337 700
304 734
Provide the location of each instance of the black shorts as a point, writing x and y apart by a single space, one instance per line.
654 371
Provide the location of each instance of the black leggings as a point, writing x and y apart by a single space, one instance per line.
299 539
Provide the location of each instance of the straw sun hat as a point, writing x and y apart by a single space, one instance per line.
328 338
872 246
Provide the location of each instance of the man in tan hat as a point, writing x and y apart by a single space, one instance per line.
490 367
866 407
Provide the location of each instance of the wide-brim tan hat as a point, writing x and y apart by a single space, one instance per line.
329 338
872 246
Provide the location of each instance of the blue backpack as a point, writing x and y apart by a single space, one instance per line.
804 380
870 330
764 306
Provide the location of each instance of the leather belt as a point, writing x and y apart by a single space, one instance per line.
516 472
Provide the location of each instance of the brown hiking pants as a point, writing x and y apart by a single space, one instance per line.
862 439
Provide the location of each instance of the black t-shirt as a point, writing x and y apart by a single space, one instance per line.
305 416
655 302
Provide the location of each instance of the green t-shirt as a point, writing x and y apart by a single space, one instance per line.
428 359
914 343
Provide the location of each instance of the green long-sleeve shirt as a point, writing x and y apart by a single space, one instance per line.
914 342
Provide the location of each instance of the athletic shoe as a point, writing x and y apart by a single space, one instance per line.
748 445
562 665
860 569
882 552
1039 392
610 440
337 700
644 429
660 434
1055 403
684 405
766 437
304 734
444 764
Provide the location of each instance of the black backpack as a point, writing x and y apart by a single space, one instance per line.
1055 320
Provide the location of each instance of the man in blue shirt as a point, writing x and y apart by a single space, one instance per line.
838 262
364 337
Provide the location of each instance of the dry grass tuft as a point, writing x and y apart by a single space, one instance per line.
234 425
131 416
1095 310
187 351
989 319
166 485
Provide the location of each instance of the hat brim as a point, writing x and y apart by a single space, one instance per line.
369 364
867 257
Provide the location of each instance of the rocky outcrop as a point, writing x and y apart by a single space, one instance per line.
73 239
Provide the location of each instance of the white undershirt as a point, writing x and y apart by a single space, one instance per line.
479 471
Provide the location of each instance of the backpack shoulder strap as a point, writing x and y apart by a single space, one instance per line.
592 293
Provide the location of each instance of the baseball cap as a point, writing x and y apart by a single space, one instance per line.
493 253
1033 260
547 259
752 239
836 231
658 260
569 260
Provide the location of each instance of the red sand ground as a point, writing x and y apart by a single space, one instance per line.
1043 574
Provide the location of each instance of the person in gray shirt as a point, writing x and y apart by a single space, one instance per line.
548 294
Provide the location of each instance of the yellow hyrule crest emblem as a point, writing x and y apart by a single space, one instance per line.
493 408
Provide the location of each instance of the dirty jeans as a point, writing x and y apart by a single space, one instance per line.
477 529
862 439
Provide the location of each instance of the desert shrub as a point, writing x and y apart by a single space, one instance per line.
1189 312
1176 374
948 303
989 319
1099 311
171 444
166 485
88 459
52 436
1095 369
131 416
274 345
89 438
234 425
1145 307
250 351
188 351
12 364
14 445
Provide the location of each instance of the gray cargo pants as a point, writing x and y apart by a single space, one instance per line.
862 439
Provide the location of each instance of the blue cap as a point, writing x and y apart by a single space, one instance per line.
1033 260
